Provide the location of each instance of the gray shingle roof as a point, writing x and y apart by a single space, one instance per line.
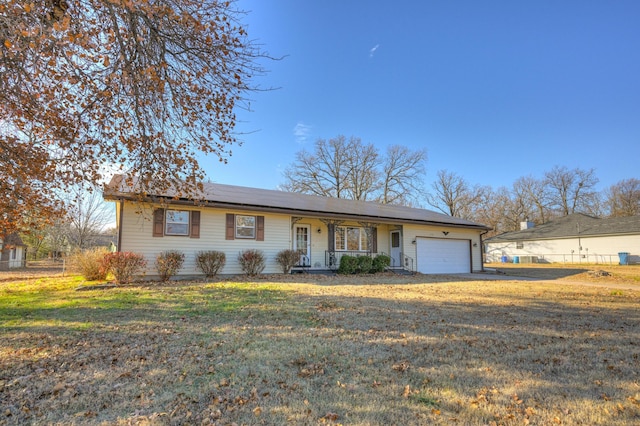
13 240
573 226
230 196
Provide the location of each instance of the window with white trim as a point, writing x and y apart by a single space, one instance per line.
245 226
351 238
176 222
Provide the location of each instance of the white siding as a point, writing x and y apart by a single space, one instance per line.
137 237
570 250
16 259
411 232
137 224
319 241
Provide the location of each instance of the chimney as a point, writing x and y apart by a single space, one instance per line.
526 225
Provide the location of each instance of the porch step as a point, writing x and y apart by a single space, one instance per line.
400 271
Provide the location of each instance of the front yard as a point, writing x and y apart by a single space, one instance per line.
309 350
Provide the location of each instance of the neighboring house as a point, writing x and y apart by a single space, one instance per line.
13 252
232 218
571 239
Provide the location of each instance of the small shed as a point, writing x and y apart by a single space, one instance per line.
13 252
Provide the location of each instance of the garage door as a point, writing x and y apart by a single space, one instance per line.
438 256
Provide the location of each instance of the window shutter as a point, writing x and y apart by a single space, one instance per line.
231 227
158 223
195 224
374 240
260 228
331 230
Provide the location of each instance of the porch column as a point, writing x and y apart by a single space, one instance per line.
371 229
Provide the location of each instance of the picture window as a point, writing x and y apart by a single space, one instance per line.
351 239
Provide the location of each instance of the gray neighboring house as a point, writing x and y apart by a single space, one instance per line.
576 238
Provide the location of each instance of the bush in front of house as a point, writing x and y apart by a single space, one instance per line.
380 263
365 263
348 265
90 263
168 263
124 265
251 261
287 259
210 262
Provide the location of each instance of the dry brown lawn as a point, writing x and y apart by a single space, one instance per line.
309 350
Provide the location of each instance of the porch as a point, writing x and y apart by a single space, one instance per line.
323 242
399 264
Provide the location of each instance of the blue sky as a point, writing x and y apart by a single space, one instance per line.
493 90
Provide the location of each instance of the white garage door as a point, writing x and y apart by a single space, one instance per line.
438 256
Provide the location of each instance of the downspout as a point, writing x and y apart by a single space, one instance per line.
482 250
119 224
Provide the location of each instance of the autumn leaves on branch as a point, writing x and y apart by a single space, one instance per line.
89 87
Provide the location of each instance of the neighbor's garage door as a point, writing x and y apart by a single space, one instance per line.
438 256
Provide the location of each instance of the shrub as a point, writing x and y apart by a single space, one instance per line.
348 265
168 263
90 263
124 265
287 259
251 261
364 264
210 262
380 263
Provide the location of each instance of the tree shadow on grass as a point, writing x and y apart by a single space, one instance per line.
370 359
541 273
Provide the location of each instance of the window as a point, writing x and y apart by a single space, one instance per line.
245 226
519 245
13 253
351 239
177 222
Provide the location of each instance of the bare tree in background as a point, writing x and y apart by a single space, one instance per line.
571 191
323 172
496 210
402 174
532 200
623 198
454 196
87 216
349 168
362 162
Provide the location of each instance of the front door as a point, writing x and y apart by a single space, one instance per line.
302 243
396 250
